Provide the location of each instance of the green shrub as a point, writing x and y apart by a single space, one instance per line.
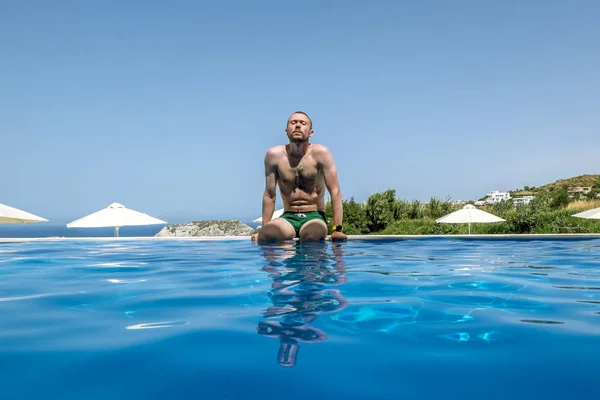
380 210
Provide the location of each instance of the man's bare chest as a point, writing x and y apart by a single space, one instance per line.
305 170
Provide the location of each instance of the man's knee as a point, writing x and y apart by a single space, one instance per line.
313 231
270 236
312 237
275 231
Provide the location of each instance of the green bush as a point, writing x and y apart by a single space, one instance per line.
355 217
380 210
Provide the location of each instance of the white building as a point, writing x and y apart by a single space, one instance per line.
517 201
496 197
578 191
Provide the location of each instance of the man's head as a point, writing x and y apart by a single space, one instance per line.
299 127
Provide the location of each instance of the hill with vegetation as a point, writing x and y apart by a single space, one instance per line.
581 180
590 180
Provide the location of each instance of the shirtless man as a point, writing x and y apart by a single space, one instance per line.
303 171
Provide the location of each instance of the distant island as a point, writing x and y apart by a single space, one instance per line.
230 227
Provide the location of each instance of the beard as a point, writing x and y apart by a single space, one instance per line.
298 140
295 139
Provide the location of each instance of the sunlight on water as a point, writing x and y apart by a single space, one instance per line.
126 280
156 325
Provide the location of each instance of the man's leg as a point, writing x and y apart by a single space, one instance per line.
313 231
276 231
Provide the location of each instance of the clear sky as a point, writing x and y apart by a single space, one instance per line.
168 107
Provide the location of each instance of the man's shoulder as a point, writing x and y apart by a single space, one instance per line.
275 153
276 150
319 149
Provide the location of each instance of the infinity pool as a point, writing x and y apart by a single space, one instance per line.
427 319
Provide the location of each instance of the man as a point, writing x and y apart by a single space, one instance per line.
303 171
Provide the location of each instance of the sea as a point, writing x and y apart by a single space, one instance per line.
56 230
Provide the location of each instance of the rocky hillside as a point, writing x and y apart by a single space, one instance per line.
232 227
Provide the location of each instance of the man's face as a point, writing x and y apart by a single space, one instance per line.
299 128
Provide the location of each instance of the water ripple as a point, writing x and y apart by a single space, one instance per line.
64 295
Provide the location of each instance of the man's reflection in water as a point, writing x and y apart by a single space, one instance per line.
302 275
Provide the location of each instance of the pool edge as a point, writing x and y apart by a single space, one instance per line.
547 236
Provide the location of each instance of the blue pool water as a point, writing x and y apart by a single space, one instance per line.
427 319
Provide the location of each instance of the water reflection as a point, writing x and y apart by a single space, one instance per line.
303 275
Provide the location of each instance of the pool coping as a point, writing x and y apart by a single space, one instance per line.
521 236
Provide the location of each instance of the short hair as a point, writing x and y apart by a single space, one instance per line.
303 113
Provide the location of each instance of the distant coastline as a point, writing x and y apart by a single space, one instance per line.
44 230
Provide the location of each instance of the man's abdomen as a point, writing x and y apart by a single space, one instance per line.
300 201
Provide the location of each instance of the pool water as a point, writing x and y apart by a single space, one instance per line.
427 319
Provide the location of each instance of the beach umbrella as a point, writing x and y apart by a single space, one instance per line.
276 214
10 215
589 214
116 215
469 215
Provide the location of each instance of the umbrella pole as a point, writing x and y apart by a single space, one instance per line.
116 231
469 228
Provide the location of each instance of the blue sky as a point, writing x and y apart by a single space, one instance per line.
169 107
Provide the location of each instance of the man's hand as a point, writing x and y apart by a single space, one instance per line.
337 236
254 237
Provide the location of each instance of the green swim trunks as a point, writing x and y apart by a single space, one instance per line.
299 219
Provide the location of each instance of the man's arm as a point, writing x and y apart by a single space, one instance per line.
268 201
333 186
